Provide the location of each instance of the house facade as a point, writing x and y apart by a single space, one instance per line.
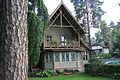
98 49
64 46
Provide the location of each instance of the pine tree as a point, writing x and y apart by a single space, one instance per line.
88 11
13 40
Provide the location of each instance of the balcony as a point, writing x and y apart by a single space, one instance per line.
62 45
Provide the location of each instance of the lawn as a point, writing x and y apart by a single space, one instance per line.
77 76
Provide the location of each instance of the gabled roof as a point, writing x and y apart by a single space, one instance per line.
69 16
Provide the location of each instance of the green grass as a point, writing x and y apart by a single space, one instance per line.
77 76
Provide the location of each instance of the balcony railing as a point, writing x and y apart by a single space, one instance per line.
67 44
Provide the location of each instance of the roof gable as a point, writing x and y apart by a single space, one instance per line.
67 17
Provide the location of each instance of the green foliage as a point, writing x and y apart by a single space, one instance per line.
46 73
76 76
37 22
102 36
35 35
82 6
103 56
115 40
103 70
39 8
72 71
95 61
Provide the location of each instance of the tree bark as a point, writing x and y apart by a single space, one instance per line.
13 40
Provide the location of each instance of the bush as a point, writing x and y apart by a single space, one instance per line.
103 56
46 73
72 71
59 71
116 76
103 70
95 61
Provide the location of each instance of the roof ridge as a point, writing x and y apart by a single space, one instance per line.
62 2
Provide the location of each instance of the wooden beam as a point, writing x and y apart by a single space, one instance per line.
61 18
59 26
55 19
73 29
67 20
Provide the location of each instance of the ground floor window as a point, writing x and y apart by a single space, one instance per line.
85 55
63 56
49 57
57 57
73 58
67 56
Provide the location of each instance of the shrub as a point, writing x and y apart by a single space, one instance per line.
72 71
60 71
103 70
103 55
95 61
46 73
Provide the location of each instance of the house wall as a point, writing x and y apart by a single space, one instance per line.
105 50
75 65
56 32
48 61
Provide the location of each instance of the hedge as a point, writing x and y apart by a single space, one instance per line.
103 70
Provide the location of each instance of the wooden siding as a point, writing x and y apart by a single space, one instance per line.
55 32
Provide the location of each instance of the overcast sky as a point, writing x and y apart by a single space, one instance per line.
111 8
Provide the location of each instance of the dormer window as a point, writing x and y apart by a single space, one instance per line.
49 38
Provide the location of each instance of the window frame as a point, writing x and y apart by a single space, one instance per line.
67 56
49 38
57 57
85 56
73 56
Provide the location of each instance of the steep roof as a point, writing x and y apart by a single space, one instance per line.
67 14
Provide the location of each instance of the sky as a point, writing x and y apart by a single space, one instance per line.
111 8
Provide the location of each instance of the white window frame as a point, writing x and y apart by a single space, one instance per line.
85 56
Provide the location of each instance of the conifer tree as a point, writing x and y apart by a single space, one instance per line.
37 22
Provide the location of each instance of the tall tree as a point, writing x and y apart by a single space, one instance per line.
13 40
104 31
37 22
115 40
90 12
103 36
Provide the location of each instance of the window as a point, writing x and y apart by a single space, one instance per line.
57 57
47 58
63 40
67 56
49 38
85 56
50 57
73 58
63 56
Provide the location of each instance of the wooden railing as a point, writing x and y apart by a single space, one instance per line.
67 44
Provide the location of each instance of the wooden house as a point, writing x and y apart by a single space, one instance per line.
64 46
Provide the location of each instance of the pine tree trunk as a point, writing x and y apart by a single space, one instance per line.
13 40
